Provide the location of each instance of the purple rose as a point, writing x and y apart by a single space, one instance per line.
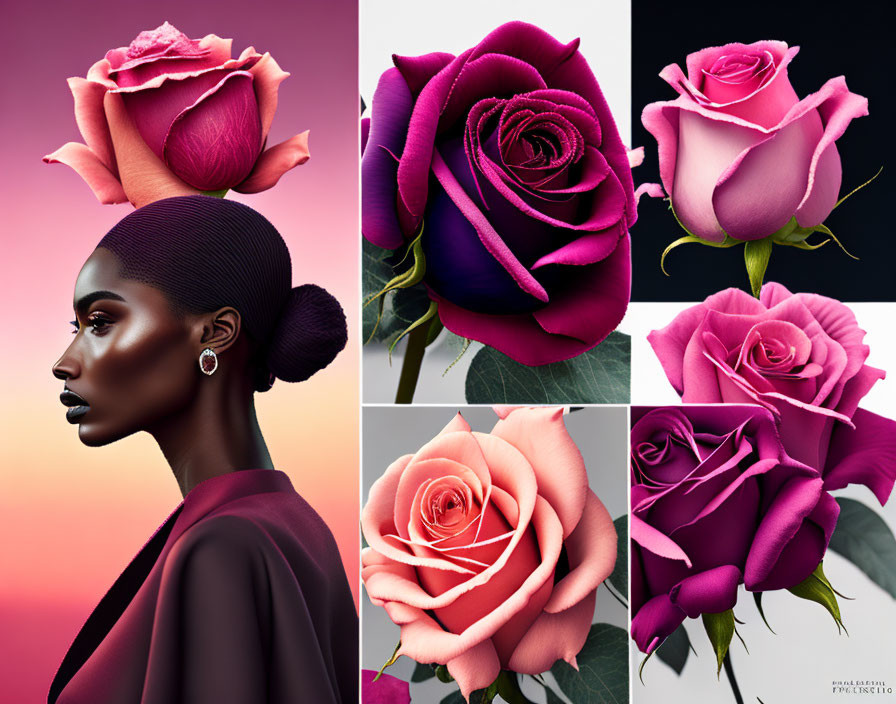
740 153
716 502
800 356
509 160
205 115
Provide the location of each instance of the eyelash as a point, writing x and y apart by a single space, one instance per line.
92 321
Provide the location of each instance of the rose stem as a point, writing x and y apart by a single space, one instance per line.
410 367
729 671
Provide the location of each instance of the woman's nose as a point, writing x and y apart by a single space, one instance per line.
66 367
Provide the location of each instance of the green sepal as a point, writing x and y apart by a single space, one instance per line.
390 661
858 188
804 245
643 663
426 317
406 279
791 233
443 674
817 588
693 239
460 354
757 597
756 256
216 194
720 629
826 230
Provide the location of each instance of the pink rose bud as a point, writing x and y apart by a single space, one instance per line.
203 114
740 154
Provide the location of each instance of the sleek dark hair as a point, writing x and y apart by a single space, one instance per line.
205 253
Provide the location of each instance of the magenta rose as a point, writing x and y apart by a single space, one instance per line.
716 502
800 356
383 689
508 159
487 548
740 154
204 114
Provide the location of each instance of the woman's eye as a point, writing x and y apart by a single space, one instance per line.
75 324
98 323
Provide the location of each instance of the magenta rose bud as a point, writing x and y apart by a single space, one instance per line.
800 356
509 160
739 152
466 538
716 502
205 115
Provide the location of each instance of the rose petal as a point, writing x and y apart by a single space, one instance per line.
214 143
475 669
654 622
554 636
391 110
825 173
274 162
105 186
656 542
865 455
710 592
792 504
418 70
267 76
91 119
591 550
541 435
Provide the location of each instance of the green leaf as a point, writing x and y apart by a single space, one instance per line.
675 650
423 672
817 588
720 629
619 576
757 597
600 375
693 239
863 538
441 671
756 256
375 273
602 677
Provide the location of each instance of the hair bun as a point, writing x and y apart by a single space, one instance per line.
309 334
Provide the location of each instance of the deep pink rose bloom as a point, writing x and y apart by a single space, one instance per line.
800 356
204 114
465 537
385 690
510 160
717 502
740 153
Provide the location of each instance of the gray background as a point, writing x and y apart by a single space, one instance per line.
389 432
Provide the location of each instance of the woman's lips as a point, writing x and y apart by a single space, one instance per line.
78 407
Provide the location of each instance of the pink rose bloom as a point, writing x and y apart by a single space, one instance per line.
799 355
740 154
465 536
205 115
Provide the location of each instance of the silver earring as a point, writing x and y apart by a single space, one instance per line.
208 361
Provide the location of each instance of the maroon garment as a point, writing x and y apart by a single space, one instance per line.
240 597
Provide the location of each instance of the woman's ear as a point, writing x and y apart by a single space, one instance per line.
219 330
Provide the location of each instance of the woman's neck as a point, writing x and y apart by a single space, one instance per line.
217 434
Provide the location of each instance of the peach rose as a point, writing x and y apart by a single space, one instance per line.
465 538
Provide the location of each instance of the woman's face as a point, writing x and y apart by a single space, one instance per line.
132 362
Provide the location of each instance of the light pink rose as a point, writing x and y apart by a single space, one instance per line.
465 536
739 152
203 115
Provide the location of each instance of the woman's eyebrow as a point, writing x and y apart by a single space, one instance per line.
85 301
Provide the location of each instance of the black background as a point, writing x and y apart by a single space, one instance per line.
853 39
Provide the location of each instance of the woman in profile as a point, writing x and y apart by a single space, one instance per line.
183 311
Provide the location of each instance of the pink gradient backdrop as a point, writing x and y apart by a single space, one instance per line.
71 517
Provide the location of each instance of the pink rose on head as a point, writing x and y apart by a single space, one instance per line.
465 537
740 154
203 114
802 357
